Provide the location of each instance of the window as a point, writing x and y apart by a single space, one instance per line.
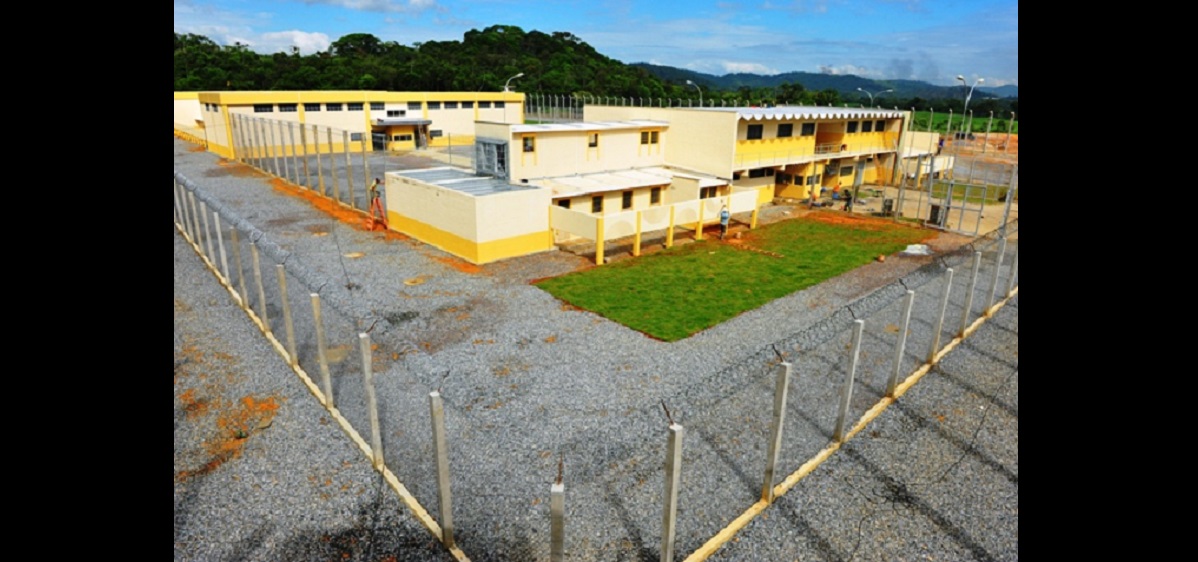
263 108
407 138
846 171
644 137
867 126
880 126
451 105
499 105
653 137
434 105
354 107
414 105
754 132
484 104
355 136
707 192
530 144
563 203
852 126
785 130
593 140
626 203
782 178
761 172
655 196
811 180
434 133
597 204
467 105
735 175
808 129
396 112
287 108
376 106
311 107
649 137
332 107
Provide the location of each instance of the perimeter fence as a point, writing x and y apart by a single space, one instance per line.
745 433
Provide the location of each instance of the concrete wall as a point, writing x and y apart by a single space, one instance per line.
562 153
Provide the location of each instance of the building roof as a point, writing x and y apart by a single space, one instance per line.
805 112
388 121
461 179
618 180
590 126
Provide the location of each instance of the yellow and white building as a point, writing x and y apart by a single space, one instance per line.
382 120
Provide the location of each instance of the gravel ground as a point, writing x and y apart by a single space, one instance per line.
527 381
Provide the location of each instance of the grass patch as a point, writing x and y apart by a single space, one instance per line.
685 289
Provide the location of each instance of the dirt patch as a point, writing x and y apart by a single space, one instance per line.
458 264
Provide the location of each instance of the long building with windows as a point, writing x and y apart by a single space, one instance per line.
225 121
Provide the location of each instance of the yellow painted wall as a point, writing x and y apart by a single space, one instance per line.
562 153
698 140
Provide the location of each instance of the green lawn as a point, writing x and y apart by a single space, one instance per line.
685 289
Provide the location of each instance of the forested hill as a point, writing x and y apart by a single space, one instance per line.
553 64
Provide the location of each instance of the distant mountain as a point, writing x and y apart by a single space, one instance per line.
845 84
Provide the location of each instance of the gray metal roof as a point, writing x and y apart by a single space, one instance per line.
589 126
806 112
387 121
461 179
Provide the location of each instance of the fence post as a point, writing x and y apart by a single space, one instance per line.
349 168
437 411
376 438
220 243
899 346
195 220
846 392
1014 270
186 222
557 518
333 167
259 147
304 146
261 290
274 150
294 153
948 287
207 231
178 211
673 479
325 379
319 166
1002 251
775 446
292 359
366 164
973 282
240 272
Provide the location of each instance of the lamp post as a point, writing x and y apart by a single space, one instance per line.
871 96
509 81
700 91
967 95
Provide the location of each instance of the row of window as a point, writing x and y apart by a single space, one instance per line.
755 131
374 106
625 200
647 137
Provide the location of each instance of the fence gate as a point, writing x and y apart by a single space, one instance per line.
957 201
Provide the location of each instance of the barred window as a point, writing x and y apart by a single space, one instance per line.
376 106
311 107
264 108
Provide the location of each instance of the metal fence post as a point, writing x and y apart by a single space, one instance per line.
275 147
333 166
240 272
325 379
220 243
904 322
282 273
195 221
973 282
846 392
948 287
207 231
376 438
304 146
319 166
258 279
349 168
557 518
178 211
1014 270
437 411
295 169
1002 251
775 445
366 165
673 479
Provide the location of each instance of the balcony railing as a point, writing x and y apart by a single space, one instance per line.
808 154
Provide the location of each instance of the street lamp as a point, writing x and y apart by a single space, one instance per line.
509 81
871 96
700 91
969 94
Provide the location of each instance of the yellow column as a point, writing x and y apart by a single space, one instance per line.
599 241
699 225
636 241
753 221
670 231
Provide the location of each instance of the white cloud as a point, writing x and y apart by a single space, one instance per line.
731 67
277 41
379 5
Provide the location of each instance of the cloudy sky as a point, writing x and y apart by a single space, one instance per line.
929 40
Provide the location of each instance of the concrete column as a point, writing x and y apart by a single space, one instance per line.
240 271
325 379
376 438
557 522
292 359
332 166
304 149
636 241
220 243
319 166
673 480
600 242
1014 270
437 412
261 290
1002 251
178 209
775 445
670 231
349 168
904 322
973 282
207 231
939 326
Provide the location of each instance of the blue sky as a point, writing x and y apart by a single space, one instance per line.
929 40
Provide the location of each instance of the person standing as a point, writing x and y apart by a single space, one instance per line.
376 203
723 221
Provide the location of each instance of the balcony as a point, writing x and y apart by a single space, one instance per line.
816 153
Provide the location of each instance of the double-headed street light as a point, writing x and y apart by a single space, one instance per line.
700 91
509 81
871 96
969 94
